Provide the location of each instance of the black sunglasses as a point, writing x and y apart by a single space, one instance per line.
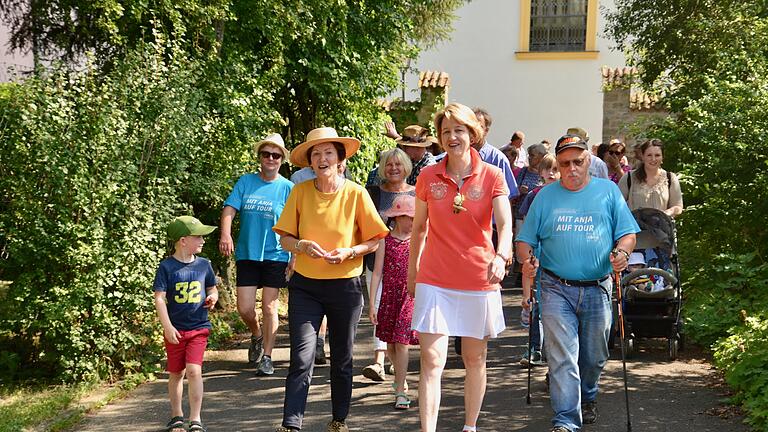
269 155
616 153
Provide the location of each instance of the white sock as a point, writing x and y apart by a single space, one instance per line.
469 428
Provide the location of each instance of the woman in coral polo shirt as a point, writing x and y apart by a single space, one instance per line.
455 272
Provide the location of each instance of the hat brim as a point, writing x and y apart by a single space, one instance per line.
262 143
397 213
582 145
202 230
425 144
299 156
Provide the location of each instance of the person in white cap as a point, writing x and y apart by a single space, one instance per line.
261 262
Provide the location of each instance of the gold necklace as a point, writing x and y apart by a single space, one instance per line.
334 189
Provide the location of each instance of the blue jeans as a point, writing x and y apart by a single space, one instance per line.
577 321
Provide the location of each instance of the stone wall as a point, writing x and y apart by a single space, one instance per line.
627 112
434 92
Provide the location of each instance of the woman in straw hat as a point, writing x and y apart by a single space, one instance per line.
329 223
456 200
261 261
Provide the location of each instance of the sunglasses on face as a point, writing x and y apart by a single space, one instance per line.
269 155
616 152
576 162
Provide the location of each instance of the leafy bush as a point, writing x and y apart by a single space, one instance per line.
94 166
720 291
742 355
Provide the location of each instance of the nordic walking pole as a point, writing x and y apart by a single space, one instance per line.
531 303
617 277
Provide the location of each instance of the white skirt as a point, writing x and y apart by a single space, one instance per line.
452 312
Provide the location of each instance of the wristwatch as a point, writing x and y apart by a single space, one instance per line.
617 250
354 254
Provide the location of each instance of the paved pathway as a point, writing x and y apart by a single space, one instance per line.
664 396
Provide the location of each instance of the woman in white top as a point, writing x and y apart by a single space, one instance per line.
650 186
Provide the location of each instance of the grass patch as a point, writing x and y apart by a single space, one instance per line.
25 407
58 408
62 407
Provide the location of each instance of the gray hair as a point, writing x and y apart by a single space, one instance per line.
537 149
398 154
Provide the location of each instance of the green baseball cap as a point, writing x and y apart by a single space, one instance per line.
187 226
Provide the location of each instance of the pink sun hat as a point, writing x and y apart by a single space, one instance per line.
404 205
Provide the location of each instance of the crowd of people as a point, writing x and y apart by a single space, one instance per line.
558 217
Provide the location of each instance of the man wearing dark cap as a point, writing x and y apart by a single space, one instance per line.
584 232
597 168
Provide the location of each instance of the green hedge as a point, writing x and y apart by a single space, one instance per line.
715 142
94 166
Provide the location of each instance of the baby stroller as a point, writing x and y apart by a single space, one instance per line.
652 294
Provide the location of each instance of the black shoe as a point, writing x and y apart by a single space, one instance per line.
589 412
320 351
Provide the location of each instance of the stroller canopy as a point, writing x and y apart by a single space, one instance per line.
657 230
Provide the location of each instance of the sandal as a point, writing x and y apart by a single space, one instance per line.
176 423
394 387
402 401
196 426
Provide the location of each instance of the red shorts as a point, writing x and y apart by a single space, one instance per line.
190 349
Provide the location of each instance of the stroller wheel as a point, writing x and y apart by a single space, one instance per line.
673 348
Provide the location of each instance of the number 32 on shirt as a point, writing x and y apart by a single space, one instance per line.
188 292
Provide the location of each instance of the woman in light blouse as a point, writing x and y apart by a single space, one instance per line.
650 186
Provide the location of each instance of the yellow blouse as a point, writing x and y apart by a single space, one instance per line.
340 219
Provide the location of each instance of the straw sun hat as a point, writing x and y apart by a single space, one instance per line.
276 140
300 154
415 136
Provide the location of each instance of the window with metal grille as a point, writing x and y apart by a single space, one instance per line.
558 25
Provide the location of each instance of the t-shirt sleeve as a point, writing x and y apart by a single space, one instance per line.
368 220
161 279
288 223
235 198
528 232
526 204
624 221
509 177
421 188
500 185
210 276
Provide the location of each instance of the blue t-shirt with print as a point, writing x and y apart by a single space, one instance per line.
577 230
260 204
185 287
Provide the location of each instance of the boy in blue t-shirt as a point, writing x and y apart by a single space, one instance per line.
183 311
